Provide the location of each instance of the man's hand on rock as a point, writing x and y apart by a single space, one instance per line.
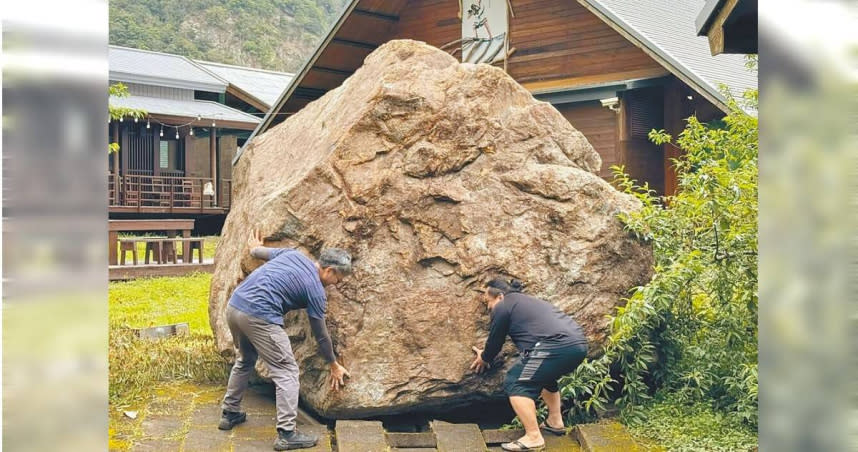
338 374
254 240
479 366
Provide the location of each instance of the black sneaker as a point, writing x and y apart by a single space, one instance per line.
293 439
230 419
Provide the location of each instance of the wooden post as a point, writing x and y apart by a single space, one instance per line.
156 160
213 161
673 124
112 237
117 177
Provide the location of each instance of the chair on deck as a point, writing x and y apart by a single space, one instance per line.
153 248
126 245
168 251
195 243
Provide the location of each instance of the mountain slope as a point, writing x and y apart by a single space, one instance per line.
268 34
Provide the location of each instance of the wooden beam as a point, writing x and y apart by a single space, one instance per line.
351 43
577 82
332 71
244 96
716 28
715 100
388 17
204 122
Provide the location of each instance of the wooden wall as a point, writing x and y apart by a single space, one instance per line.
197 157
599 125
554 39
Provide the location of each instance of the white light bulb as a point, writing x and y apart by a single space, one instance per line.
162 132
135 119
213 124
191 133
147 123
120 119
177 133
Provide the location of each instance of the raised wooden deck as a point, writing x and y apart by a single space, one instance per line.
127 272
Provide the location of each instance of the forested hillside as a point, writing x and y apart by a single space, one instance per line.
269 34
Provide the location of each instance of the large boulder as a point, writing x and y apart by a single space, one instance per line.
436 175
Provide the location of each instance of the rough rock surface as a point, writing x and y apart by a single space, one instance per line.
436 175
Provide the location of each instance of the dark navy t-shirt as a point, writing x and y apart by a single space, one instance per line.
288 281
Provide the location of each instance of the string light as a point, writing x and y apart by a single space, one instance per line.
120 118
177 133
147 123
213 123
191 133
162 131
135 120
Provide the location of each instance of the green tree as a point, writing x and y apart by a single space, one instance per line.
690 334
116 113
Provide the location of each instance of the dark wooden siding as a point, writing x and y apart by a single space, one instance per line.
599 125
557 39
554 39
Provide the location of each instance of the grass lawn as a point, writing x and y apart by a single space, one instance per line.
136 365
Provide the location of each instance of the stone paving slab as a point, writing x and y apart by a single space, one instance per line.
360 436
161 426
605 437
205 416
204 440
458 437
411 440
157 445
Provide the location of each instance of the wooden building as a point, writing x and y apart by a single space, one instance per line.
616 69
730 26
175 161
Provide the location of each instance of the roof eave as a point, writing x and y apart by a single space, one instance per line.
680 71
707 14
165 82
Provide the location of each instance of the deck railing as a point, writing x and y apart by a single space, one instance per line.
166 192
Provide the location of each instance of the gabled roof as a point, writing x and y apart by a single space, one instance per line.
161 69
207 111
666 30
266 86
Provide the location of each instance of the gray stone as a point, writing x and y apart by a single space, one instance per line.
156 445
435 175
458 437
161 426
413 440
159 332
360 436
205 440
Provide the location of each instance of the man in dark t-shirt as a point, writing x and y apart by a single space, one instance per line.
551 344
289 280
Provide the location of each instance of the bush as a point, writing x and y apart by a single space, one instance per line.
691 332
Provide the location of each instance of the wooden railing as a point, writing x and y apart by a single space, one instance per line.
166 192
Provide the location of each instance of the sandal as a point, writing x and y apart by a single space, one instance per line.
554 430
518 446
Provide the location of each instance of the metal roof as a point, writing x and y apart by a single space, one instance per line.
667 29
264 85
207 110
161 69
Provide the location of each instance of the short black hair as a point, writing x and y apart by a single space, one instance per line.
499 286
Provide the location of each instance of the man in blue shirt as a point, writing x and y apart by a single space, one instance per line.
289 280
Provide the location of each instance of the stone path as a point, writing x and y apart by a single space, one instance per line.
185 418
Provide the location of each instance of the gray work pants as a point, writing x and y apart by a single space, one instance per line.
256 337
